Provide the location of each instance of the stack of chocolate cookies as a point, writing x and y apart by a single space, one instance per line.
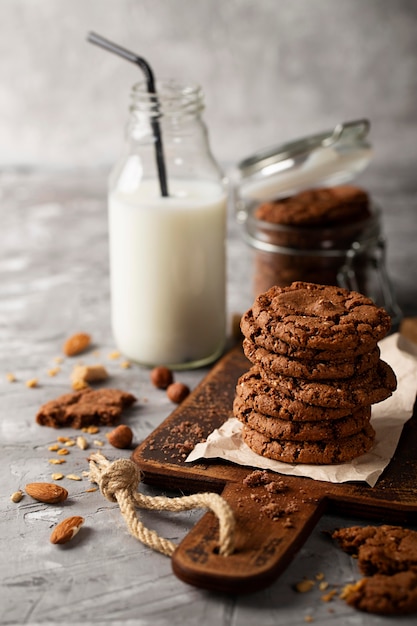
316 373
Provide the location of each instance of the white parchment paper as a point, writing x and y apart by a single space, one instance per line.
388 418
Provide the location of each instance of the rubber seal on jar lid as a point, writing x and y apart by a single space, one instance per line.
324 159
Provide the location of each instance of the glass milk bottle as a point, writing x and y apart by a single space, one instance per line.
167 236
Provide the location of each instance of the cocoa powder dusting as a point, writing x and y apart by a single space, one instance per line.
182 439
270 506
272 510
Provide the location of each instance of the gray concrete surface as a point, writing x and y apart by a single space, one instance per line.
272 70
53 280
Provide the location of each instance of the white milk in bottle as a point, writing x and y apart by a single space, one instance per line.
167 253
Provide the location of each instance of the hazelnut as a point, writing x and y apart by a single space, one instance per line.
120 437
177 392
161 377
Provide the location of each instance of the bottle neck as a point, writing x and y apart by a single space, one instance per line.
166 132
176 107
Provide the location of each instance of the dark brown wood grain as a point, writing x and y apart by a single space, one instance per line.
265 544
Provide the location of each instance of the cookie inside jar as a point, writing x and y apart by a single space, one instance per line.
305 220
311 236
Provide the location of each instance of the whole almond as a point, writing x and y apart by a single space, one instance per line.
120 437
76 344
47 492
66 529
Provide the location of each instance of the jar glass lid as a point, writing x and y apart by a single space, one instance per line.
325 159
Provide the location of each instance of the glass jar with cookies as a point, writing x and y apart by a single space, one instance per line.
305 221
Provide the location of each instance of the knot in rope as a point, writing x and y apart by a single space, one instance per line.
118 482
120 475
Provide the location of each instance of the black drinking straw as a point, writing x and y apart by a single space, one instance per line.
150 83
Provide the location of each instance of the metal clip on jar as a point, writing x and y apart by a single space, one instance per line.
349 253
167 251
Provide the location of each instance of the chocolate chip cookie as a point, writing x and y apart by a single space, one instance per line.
84 408
252 331
307 369
312 452
384 595
319 430
324 206
371 387
256 393
388 556
321 317
380 549
307 236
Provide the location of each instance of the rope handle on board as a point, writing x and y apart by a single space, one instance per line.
118 482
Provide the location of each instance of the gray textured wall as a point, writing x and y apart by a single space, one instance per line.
272 70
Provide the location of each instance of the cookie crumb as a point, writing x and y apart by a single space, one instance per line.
73 477
329 596
291 508
32 383
304 585
256 478
16 496
276 486
351 588
181 438
272 510
91 430
185 447
54 371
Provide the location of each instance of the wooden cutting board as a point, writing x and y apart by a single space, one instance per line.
265 545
